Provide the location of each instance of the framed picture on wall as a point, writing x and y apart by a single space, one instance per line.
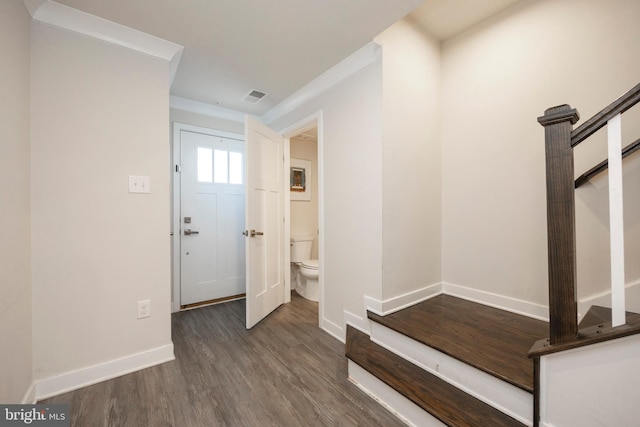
300 179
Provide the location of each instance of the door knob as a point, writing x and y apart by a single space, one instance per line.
254 233
188 232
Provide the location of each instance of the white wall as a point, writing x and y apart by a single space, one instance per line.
99 114
304 213
497 79
16 373
382 174
411 159
352 191
592 386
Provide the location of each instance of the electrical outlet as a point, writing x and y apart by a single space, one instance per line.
144 309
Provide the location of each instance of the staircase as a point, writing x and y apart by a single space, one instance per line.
448 361
457 362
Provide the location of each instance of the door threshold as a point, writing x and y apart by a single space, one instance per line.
211 302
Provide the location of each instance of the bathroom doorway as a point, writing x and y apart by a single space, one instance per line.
303 205
305 202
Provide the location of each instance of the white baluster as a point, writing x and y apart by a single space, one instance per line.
616 221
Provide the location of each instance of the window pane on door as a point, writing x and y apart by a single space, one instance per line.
220 166
205 164
235 168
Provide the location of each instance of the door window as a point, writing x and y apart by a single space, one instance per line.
220 166
205 164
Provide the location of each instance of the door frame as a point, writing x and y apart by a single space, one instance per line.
176 196
313 120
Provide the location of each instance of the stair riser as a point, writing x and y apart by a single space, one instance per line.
503 396
393 401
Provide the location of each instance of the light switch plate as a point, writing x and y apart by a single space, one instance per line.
139 184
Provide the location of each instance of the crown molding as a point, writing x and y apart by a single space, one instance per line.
74 20
346 68
205 109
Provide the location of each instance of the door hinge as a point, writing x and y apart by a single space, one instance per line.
178 168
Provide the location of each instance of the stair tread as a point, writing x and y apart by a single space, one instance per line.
595 327
444 401
492 340
597 315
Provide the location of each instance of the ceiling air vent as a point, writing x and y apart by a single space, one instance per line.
254 96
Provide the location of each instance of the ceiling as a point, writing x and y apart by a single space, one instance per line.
447 18
232 47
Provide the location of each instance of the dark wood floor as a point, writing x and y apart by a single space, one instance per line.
283 372
449 404
489 339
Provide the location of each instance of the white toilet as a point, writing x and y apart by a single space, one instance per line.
304 269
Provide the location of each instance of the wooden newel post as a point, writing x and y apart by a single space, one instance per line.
561 225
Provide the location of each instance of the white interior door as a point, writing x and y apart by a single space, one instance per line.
212 208
264 220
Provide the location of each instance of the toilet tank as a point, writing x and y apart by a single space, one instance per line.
301 248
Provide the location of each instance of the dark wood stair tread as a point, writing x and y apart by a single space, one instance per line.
597 315
595 327
492 340
444 401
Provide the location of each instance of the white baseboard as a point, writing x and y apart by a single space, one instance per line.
361 324
332 329
514 305
391 305
30 396
502 302
397 303
74 380
391 400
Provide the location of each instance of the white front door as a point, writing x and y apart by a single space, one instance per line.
264 221
212 203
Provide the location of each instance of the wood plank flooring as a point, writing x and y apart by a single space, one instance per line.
444 401
487 338
283 372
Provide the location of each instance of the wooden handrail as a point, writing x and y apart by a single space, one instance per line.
602 166
598 121
560 139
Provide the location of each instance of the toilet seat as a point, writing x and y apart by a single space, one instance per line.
311 264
